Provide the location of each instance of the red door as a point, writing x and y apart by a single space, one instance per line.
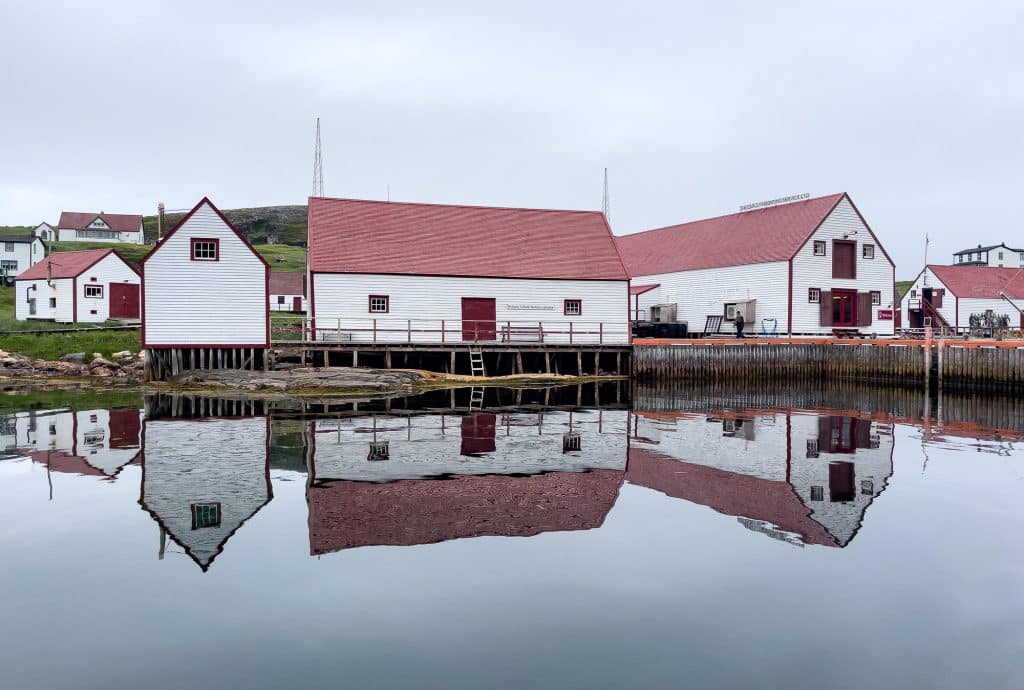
124 301
844 308
296 304
479 318
124 428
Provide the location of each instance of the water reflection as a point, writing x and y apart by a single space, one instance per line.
457 464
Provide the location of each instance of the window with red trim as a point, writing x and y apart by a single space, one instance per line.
205 249
572 307
380 304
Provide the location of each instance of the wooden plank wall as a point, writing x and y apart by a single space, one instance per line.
975 368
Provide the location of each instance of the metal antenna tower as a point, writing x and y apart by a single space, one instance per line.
604 205
318 165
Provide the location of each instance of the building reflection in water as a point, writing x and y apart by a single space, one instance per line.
97 443
204 473
800 478
420 479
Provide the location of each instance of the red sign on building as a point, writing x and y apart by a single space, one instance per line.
885 314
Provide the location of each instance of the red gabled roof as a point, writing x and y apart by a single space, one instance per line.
67 264
641 289
980 282
287 283
351 236
768 234
121 222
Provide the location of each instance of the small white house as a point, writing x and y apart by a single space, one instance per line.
807 267
287 291
75 226
391 272
204 286
994 255
45 232
947 296
18 253
89 286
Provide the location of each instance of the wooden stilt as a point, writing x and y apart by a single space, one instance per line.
519 362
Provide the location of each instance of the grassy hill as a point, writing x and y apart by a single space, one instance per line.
901 288
283 224
132 253
281 257
15 230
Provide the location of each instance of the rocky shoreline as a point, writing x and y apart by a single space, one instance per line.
124 366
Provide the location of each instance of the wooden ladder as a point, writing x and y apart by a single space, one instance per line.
476 361
476 398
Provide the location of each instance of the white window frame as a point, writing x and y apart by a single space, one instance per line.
814 295
867 251
876 298
822 246
379 304
97 291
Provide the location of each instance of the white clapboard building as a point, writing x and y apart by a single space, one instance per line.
993 255
812 266
391 272
205 288
947 296
89 286
203 479
76 226
287 291
17 253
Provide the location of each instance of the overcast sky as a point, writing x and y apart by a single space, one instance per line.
914 109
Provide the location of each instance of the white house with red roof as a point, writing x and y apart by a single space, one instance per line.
287 291
89 286
947 296
807 267
391 272
205 287
76 226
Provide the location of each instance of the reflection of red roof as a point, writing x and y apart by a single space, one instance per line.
62 461
66 264
345 514
287 283
731 493
775 233
351 236
120 222
980 282
641 289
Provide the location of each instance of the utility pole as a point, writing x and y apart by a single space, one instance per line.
605 208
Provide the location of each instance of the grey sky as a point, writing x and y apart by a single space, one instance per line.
915 109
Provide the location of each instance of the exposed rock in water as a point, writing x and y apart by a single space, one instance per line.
340 379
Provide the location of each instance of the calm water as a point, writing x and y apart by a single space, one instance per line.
543 539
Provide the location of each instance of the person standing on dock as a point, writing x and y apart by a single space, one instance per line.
740 321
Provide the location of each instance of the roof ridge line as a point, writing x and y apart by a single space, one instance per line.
440 205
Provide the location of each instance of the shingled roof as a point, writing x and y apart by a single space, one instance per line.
119 222
66 264
774 233
352 236
980 282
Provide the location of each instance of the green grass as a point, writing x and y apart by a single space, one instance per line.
132 253
83 399
283 257
286 224
15 230
35 339
901 288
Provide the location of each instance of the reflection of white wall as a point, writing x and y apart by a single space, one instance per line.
756 447
872 469
45 430
86 434
429 445
188 462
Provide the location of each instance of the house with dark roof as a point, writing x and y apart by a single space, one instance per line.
947 296
89 286
77 226
993 255
805 267
17 253
392 272
287 291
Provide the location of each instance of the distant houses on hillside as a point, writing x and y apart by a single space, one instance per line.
287 291
77 226
18 253
995 256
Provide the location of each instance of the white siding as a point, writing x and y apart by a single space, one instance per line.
704 292
60 289
431 445
25 254
948 308
205 302
811 271
427 300
71 235
287 306
111 269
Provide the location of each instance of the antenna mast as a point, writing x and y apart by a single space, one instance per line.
318 165
604 205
